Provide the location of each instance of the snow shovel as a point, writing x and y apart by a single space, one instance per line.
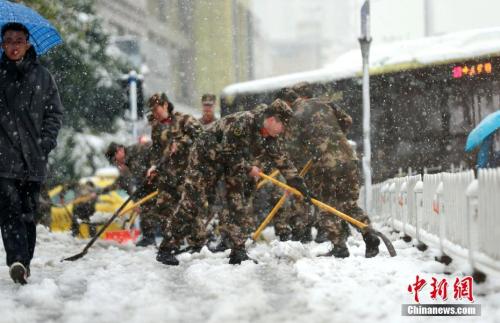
133 206
360 225
117 213
278 205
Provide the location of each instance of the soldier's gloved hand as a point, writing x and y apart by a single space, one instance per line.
254 172
298 183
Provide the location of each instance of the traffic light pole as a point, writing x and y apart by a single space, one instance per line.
132 81
364 42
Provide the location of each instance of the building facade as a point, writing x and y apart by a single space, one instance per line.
182 47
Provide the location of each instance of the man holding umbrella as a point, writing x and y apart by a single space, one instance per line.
30 119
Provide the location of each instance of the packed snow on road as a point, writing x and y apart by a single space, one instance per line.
124 283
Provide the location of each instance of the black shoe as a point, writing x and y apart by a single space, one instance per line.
166 257
146 241
18 273
296 235
372 242
306 236
238 255
338 251
284 236
303 236
196 249
220 247
321 237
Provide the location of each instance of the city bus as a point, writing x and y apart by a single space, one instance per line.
426 96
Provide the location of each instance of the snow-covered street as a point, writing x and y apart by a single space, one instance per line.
116 283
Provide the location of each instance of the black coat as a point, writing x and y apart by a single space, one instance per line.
30 118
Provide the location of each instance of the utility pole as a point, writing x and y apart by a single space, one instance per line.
364 41
132 81
428 18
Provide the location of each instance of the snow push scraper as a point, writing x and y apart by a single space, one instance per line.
360 225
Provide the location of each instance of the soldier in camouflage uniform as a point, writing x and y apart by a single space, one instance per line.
334 176
294 219
173 137
208 109
133 162
229 149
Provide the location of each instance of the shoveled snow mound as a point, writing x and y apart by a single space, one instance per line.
115 283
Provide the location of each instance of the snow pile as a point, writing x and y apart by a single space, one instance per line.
115 283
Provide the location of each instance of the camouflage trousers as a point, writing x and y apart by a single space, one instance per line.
295 217
193 210
338 186
238 222
176 228
150 220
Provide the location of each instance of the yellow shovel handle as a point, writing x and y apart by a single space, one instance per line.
319 204
136 204
262 182
269 218
278 205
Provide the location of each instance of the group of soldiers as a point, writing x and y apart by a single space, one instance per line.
194 163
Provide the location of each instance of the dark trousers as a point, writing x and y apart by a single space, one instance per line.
18 208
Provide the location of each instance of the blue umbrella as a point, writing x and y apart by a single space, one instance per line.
43 36
485 128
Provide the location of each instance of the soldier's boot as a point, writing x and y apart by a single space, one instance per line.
321 236
372 242
196 249
18 273
296 235
167 257
284 236
306 235
146 240
339 250
303 236
222 246
239 255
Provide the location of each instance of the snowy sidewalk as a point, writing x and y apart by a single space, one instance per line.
125 284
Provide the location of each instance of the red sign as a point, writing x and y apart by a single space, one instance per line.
462 288
460 71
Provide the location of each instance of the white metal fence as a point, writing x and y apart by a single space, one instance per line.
454 212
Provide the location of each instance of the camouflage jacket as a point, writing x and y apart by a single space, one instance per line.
240 145
314 132
205 123
180 129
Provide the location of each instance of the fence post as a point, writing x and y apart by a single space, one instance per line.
392 203
444 258
403 206
472 214
419 207
383 198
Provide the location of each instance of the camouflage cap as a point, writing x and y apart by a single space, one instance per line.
157 99
208 99
279 109
287 94
303 89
